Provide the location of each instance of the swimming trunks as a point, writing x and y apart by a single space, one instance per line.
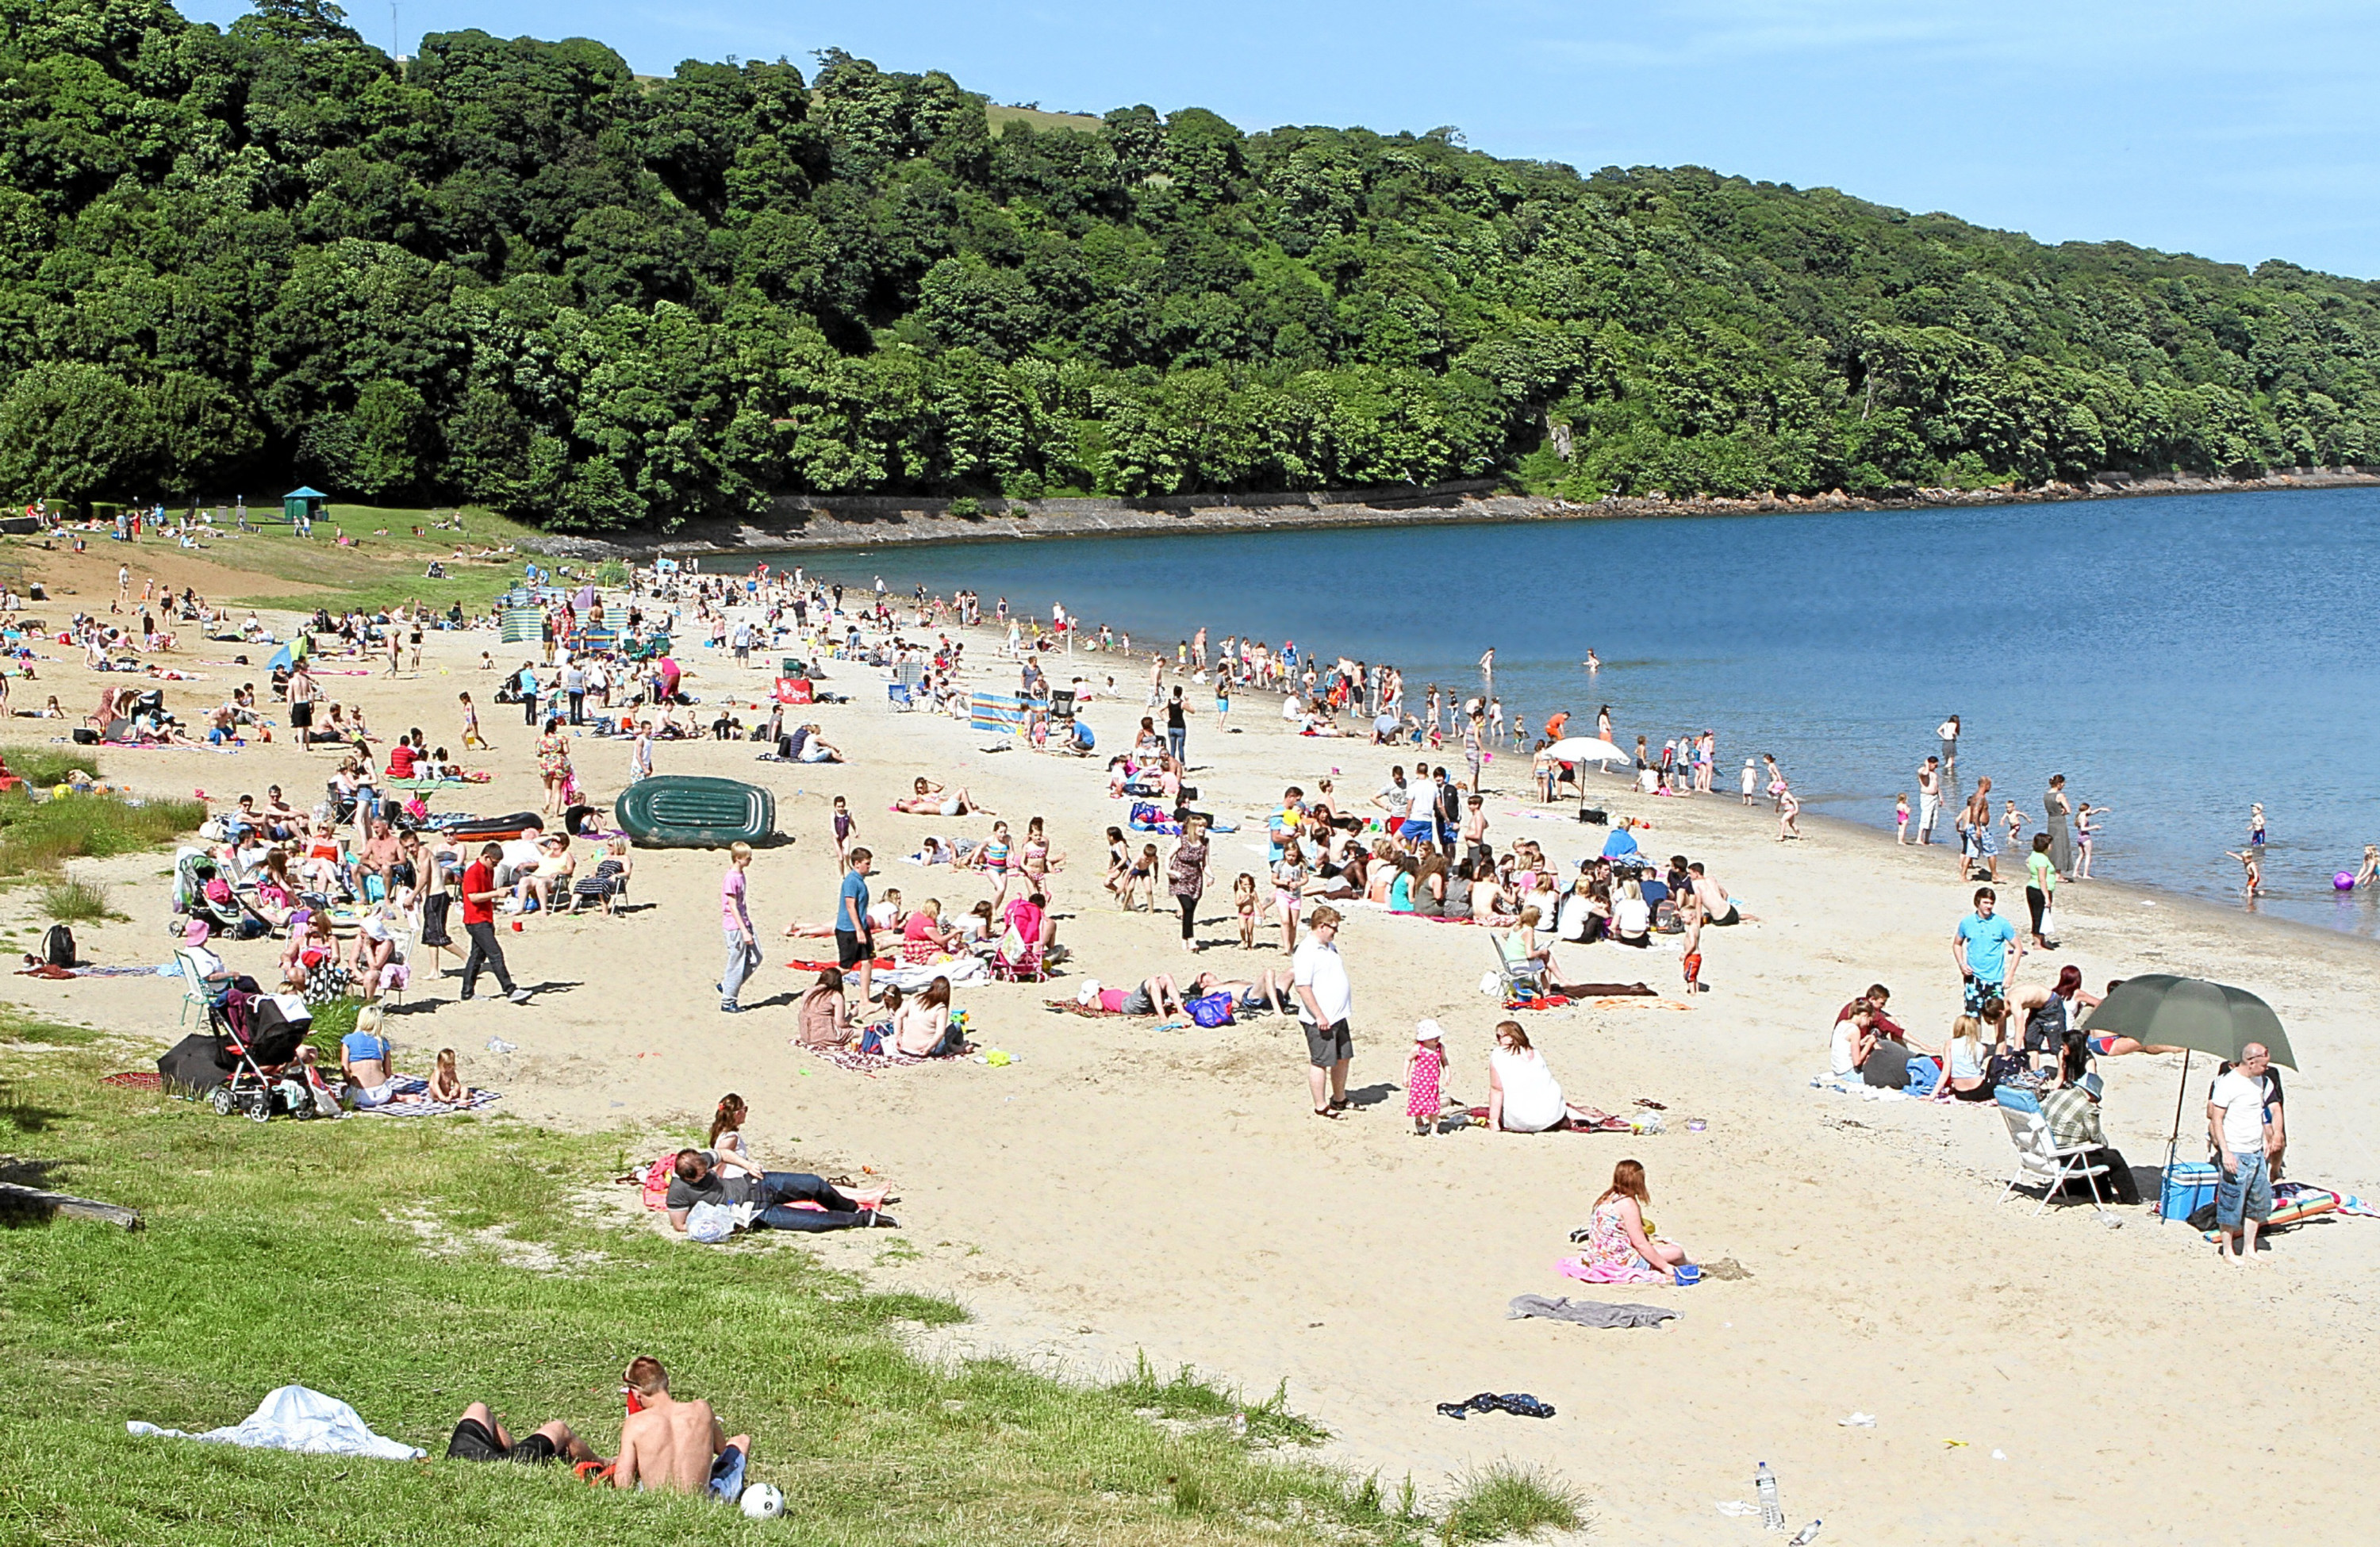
472 1441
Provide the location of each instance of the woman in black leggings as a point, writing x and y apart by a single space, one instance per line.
1186 876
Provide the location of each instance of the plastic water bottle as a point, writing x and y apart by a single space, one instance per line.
1764 1485
1809 1534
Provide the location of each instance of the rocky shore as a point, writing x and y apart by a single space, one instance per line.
822 521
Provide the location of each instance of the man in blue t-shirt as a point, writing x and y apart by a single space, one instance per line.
1985 949
854 948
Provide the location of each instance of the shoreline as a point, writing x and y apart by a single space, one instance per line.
2203 912
828 523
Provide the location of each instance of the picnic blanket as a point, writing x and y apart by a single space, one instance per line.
135 1079
876 1063
294 1417
408 1102
1586 1313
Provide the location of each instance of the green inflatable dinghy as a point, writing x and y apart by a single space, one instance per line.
686 810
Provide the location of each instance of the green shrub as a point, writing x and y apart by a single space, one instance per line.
39 835
1509 1500
76 902
44 766
612 572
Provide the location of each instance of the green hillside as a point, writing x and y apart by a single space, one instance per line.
516 275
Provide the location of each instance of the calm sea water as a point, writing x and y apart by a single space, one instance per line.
2176 658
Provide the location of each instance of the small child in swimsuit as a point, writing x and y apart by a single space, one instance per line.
1244 902
2256 826
1901 818
1422 1070
844 829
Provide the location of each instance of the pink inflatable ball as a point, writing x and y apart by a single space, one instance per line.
2343 881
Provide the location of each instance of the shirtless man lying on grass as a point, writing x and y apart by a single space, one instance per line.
479 1437
674 1447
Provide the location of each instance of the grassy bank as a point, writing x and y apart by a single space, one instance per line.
387 564
412 1266
38 836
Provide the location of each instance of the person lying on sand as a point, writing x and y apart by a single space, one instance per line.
929 799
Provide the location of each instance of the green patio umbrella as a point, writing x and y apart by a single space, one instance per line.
2191 1014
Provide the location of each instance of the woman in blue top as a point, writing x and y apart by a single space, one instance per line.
365 1054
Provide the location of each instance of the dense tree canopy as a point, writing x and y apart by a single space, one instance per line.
512 272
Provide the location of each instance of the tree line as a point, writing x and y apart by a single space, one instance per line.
512 272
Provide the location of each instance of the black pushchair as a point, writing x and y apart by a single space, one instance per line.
256 1039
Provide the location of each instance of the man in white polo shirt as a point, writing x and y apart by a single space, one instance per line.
1324 1000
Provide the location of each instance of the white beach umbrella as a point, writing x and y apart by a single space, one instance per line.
1587 749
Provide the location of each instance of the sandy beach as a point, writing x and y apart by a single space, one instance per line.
2041 1379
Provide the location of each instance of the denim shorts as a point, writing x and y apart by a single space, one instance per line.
2246 1192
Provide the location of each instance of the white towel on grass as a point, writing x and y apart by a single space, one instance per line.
295 1418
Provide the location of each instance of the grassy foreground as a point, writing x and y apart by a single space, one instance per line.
411 1266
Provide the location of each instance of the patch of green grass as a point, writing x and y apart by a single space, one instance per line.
44 766
1508 1500
1189 1398
17 1027
39 835
77 902
411 1266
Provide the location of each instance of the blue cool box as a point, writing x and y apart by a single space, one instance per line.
2188 1186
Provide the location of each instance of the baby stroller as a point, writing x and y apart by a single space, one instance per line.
261 1061
194 869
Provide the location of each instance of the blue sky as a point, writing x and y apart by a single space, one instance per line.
2234 131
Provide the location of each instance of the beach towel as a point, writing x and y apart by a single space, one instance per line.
294 1417
963 972
881 964
1608 991
1541 1002
135 1079
851 1058
405 1101
1609 1124
1605 1273
1586 1313
1074 1008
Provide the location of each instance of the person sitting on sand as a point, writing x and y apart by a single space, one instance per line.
1966 1064
1851 1041
1632 917
447 1082
921 1025
366 1058
1523 1095
672 1446
1719 909
1620 1248
823 1015
929 799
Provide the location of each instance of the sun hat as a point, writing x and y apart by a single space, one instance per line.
1428 1031
195 932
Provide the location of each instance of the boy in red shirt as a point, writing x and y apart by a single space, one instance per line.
480 895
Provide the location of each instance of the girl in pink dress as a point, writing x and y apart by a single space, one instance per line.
1422 1100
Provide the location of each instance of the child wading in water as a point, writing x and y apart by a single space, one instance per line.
1422 1069
2253 864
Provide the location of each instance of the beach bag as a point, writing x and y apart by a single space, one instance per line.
872 1039
58 947
657 1181
709 1222
1210 1010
